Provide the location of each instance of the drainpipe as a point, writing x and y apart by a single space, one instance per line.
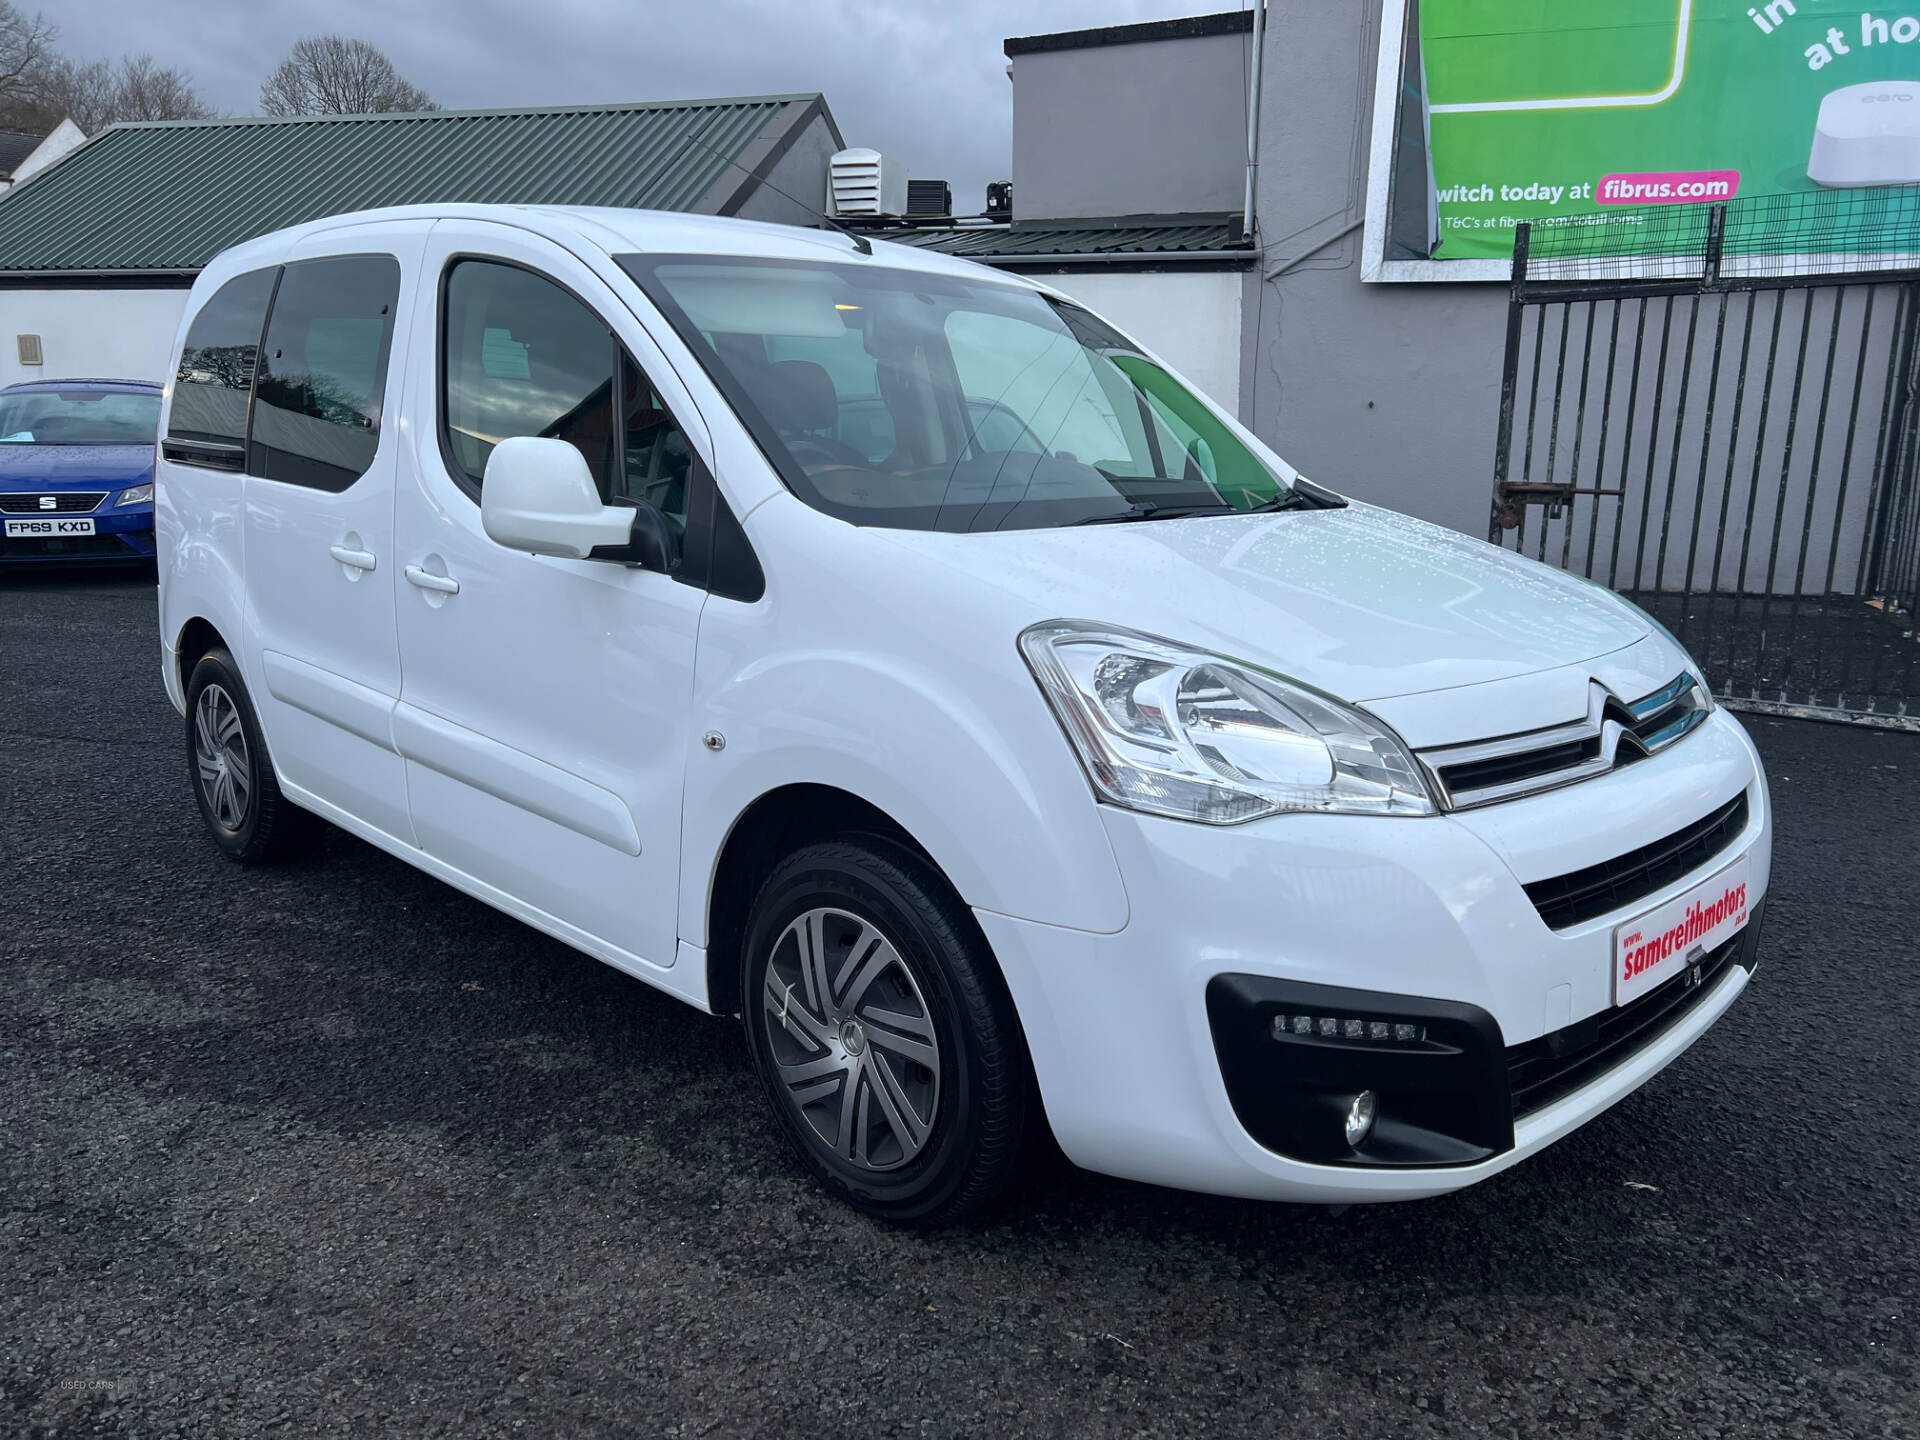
1253 117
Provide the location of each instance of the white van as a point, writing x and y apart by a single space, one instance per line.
889 651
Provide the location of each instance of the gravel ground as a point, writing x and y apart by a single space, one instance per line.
331 1149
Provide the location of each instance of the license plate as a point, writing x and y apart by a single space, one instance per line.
1662 943
48 529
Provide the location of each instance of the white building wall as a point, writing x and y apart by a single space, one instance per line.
107 334
1190 319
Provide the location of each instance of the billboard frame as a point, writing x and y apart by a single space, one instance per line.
1376 268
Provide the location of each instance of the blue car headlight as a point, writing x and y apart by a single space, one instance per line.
136 495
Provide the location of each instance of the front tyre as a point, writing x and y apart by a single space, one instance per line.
883 1034
231 773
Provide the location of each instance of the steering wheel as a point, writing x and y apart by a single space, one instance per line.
833 452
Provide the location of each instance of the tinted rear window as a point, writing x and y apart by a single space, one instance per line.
215 377
316 412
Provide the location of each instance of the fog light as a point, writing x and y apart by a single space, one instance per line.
1360 1116
1341 1027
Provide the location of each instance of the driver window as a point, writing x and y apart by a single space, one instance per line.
657 462
523 357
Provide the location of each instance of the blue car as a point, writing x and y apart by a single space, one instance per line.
76 470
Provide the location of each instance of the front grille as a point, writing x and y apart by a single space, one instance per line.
1612 734
65 502
75 547
1542 1071
1580 895
1525 765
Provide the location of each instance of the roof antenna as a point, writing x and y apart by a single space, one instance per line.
859 241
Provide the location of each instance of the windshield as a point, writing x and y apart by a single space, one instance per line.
79 417
931 402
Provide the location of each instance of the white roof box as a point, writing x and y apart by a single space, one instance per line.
865 182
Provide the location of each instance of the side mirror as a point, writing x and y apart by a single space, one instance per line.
538 495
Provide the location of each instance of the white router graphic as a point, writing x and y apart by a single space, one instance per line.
1868 135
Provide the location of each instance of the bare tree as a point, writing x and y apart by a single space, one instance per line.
144 90
338 75
26 50
97 95
39 87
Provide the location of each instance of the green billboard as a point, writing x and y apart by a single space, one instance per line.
1581 112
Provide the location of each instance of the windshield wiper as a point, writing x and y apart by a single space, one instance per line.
1303 495
1147 510
1292 500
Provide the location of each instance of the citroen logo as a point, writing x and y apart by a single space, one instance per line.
1609 714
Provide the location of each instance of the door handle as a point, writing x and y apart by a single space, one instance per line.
427 580
356 559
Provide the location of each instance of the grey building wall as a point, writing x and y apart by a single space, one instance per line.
801 172
1388 392
1152 127
1391 391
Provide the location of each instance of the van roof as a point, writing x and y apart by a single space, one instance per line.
79 382
620 231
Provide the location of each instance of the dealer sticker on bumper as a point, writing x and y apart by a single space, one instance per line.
1662 943
47 529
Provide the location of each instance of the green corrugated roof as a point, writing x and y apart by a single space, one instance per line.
1052 241
171 195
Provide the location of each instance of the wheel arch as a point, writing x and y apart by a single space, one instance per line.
197 636
772 827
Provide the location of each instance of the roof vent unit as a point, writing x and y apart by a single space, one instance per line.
1000 198
865 182
927 198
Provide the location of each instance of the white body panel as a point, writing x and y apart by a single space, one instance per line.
544 713
1428 907
322 635
531 728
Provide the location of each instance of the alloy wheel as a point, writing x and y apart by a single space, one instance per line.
852 1039
220 757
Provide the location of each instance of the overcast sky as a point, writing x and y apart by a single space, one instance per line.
922 80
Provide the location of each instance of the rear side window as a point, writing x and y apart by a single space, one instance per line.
215 378
316 412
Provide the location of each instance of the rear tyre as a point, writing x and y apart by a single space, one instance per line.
231 772
883 1034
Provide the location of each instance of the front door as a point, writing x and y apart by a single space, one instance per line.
544 710
318 523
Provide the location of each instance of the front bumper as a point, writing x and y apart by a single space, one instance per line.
119 534
1433 910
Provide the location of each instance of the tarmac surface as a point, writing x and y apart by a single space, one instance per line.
332 1149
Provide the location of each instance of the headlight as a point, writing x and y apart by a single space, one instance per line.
136 495
1173 731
